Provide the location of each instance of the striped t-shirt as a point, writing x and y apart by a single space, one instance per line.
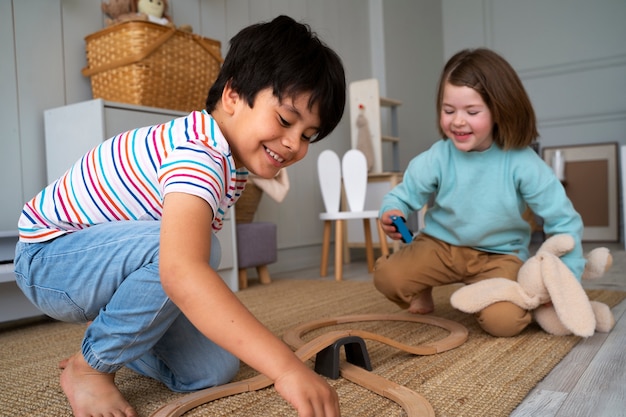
127 177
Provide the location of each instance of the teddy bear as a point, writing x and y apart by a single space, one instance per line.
118 10
143 10
547 287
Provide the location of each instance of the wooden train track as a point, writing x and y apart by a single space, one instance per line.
413 403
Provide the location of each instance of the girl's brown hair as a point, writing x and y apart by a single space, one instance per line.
485 71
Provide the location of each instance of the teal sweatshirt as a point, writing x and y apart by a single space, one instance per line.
480 198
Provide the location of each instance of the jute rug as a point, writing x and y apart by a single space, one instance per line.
486 376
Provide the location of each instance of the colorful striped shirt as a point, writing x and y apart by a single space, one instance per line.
127 176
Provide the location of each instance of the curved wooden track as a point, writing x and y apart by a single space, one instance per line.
413 403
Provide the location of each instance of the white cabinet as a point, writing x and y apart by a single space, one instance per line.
73 130
13 303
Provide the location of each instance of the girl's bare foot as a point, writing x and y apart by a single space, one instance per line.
92 393
422 303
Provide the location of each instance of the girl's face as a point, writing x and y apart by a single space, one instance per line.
466 119
272 134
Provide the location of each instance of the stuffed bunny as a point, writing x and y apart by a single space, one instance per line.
547 286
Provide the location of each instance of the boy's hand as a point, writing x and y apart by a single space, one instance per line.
388 226
308 393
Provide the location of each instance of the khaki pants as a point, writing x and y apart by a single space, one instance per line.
428 262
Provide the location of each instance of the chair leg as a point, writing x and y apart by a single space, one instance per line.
264 274
243 278
344 242
325 248
384 248
339 225
369 247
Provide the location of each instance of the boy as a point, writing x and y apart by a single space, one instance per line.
125 237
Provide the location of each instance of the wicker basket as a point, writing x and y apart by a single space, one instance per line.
246 206
148 64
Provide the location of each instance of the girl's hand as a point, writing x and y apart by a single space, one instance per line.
308 393
388 226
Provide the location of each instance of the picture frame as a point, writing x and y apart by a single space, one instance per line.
590 175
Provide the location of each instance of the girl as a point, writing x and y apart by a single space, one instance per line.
483 176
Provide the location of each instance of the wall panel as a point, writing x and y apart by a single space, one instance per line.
212 22
570 55
79 18
40 81
538 33
10 164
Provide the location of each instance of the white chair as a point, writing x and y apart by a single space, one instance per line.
353 169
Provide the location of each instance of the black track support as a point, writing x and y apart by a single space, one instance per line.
327 360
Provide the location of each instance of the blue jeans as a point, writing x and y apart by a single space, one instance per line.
109 273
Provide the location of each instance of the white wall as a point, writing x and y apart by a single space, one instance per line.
570 55
414 57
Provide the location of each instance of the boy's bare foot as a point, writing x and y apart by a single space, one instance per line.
64 362
422 303
92 393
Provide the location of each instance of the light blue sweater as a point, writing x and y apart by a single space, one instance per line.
480 197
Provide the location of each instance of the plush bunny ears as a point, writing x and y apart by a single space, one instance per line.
544 278
569 299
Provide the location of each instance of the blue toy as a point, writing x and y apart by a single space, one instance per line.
400 224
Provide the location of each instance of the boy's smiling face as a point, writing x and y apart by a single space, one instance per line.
271 134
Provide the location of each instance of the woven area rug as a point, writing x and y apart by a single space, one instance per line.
486 376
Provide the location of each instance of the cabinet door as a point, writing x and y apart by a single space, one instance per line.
71 131
118 119
225 237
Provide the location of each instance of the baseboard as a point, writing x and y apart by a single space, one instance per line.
6 272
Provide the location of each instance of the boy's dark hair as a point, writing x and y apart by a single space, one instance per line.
485 71
286 56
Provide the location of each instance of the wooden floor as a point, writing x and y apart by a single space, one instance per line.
589 382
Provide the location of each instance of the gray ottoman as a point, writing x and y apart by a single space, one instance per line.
256 248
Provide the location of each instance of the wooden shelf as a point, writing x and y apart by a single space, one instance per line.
393 139
389 102
365 100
